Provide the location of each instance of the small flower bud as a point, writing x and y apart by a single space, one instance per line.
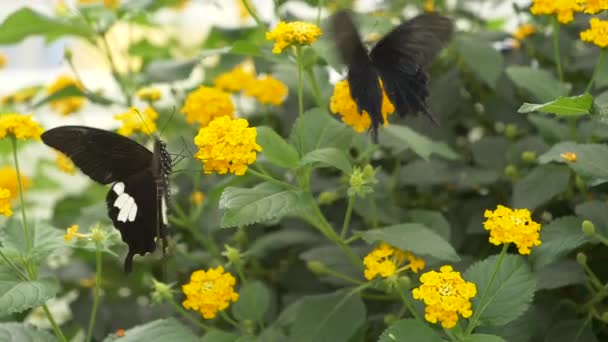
317 267
588 227
511 131
511 171
232 254
97 234
529 156
327 197
581 258
161 292
580 184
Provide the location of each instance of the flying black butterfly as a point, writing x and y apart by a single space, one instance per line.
398 59
138 199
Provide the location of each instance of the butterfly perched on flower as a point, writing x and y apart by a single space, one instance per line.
139 196
398 60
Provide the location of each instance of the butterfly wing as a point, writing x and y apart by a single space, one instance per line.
362 76
134 209
102 155
400 58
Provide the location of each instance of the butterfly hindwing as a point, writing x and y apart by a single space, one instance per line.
104 156
134 210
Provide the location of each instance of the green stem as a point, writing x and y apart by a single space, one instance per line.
300 85
189 317
315 87
482 305
319 9
56 328
26 230
598 67
14 267
573 125
253 14
270 179
595 281
558 60
342 276
409 305
115 73
347 217
601 238
450 335
99 264
229 319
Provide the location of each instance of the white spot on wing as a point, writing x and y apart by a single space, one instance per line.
164 210
119 188
123 214
121 200
133 212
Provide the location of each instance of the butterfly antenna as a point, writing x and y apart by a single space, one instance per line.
143 120
167 122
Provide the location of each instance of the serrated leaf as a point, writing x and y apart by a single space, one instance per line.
413 237
254 301
434 220
328 318
484 338
26 22
418 143
540 185
559 274
479 55
263 202
563 106
283 238
10 331
317 129
17 295
328 157
161 330
591 159
46 240
559 238
538 82
409 330
276 149
511 292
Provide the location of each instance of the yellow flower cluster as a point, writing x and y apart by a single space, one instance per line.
507 225
268 90
135 121
594 6
64 163
342 103
106 3
149 94
209 292
207 103
597 34
69 104
524 31
9 180
445 295
227 145
286 34
19 126
20 96
386 260
71 232
5 202
235 80
563 9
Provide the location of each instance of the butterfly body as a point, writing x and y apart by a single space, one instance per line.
397 60
139 195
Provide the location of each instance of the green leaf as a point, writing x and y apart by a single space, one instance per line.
595 211
280 239
220 336
26 22
418 143
550 128
263 202
276 149
328 318
46 240
511 292
479 55
559 238
563 106
434 220
17 295
165 71
562 273
540 185
591 159
247 48
254 301
413 237
328 156
484 338
409 330
10 331
160 330
540 83
317 129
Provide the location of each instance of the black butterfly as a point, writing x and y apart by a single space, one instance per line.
398 59
138 199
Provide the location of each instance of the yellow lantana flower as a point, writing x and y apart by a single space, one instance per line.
71 232
286 34
563 9
135 121
64 163
19 126
524 31
205 104
594 6
386 260
209 292
149 94
268 90
235 80
9 180
569 156
597 34
342 103
69 104
227 145
507 225
446 295
197 197
5 202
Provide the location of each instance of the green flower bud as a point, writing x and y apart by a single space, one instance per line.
511 131
581 258
317 267
361 181
529 156
588 227
511 171
161 292
404 282
327 197
232 254
97 234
